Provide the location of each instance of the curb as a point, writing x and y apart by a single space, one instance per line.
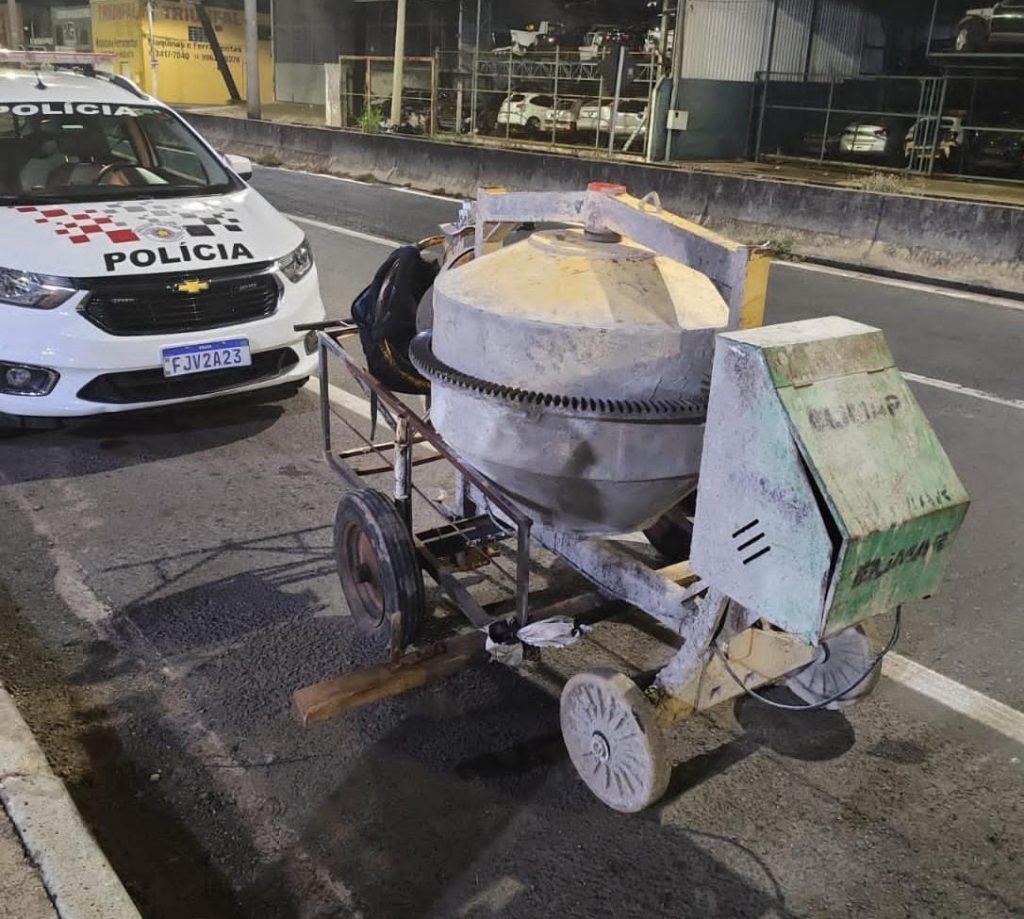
75 872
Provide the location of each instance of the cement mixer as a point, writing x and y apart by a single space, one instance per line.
610 376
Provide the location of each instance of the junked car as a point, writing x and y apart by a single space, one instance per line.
990 27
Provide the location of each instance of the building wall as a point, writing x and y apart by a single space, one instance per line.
307 35
729 41
186 68
7 41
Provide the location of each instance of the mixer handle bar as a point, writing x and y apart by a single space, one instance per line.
739 272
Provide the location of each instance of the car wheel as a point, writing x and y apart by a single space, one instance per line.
533 125
378 567
294 388
968 38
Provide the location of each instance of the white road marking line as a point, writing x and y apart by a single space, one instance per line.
919 286
344 231
968 702
358 405
965 391
68 576
239 784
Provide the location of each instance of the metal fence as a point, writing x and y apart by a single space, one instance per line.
553 99
932 125
366 84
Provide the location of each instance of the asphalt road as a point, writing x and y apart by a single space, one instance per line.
167 582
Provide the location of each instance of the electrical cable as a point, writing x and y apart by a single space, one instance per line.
824 703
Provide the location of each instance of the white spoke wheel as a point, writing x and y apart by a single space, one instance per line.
841 660
613 740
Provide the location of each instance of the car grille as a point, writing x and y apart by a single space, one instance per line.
153 305
132 386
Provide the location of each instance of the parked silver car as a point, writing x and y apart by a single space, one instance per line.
877 139
597 117
564 116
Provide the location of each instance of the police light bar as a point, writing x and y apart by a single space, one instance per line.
55 58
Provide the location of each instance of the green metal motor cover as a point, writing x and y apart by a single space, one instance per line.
886 492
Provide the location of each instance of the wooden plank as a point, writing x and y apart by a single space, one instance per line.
422 666
371 684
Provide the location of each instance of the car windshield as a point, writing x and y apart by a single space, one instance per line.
84 151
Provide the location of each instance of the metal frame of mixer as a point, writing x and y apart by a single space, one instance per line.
747 653
410 430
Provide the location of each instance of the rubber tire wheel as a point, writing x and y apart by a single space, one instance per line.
295 387
533 125
369 530
967 39
613 739
672 533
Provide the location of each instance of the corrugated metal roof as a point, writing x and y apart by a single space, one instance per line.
729 39
838 39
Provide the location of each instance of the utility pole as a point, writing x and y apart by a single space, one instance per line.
252 62
154 63
678 40
476 69
12 25
767 81
666 16
399 68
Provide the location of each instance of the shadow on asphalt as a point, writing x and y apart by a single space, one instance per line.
151 845
816 736
185 611
423 815
109 442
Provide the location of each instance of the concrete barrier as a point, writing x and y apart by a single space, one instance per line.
954 240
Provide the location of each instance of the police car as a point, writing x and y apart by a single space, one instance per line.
137 267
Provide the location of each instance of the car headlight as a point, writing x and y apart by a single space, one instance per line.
296 264
36 291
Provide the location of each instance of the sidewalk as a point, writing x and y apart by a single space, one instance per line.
50 866
22 895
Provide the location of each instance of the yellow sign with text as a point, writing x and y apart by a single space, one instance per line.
175 54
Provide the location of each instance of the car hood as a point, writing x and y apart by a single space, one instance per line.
118 238
984 12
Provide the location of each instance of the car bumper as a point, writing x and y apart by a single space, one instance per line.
65 342
862 148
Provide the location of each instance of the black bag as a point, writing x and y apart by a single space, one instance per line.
386 315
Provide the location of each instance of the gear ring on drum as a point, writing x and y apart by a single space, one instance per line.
678 410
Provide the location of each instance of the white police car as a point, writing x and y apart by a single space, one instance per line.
136 266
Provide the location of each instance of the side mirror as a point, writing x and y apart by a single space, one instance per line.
240 165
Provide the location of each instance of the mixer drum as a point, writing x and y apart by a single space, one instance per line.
573 372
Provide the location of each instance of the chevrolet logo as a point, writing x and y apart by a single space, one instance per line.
192 287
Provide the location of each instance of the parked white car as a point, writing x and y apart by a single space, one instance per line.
525 110
137 267
945 142
630 119
564 117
